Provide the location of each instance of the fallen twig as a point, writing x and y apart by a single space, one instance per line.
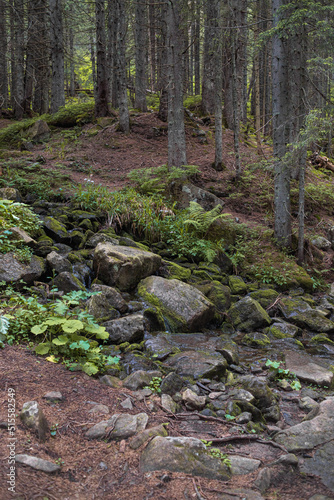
237 437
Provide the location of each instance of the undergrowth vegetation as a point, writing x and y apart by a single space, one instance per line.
61 329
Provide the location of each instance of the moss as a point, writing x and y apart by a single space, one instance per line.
155 318
276 332
202 275
256 339
177 272
124 346
252 426
237 285
133 347
265 297
322 338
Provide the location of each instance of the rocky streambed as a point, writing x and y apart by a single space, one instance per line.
200 344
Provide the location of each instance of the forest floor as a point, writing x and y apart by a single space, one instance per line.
94 470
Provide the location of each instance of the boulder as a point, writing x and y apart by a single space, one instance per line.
19 234
182 454
67 282
247 315
141 438
38 132
8 193
243 465
321 243
56 229
281 329
290 307
58 262
171 384
33 417
184 307
237 285
257 386
198 365
118 427
313 320
185 193
307 369
264 297
123 266
310 433
127 329
94 240
321 464
37 463
139 379
192 400
100 305
12 270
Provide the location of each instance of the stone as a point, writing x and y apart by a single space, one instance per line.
174 271
243 465
321 243
263 480
139 379
127 404
264 397
264 297
282 329
256 339
192 400
108 297
8 193
244 417
321 464
12 270
97 238
141 438
126 329
229 350
237 285
38 132
314 320
306 368
66 282
310 433
198 365
99 409
184 307
307 404
111 381
171 384
53 396
182 454
247 315
37 463
118 427
168 404
159 346
55 229
185 193
58 262
291 307
240 494
33 417
122 266
19 234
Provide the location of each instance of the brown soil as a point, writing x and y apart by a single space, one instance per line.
83 475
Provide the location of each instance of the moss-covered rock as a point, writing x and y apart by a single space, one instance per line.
67 282
237 285
197 365
265 297
177 272
247 315
12 270
122 266
55 229
256 339
184 307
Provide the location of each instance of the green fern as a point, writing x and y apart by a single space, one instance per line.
199 220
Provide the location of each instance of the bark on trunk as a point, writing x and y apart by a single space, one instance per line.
57 56
141 55
101 100
176 132
3 60
124 120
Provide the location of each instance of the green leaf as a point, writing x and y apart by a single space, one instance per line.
42 348
72 325
112 360
55 321
90 368
61 340
38 329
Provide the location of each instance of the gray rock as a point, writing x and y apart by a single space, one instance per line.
247 315
56 229
11 270
314 320
100 304
111 381
58 262
264 397
291 307
307 404
198 365
240 494
237 285
310 433
38 132
307 369
33 417
192 400
243 465
8 193
37 463
127 329
229 350
182 454
263 480
171 384
123 266
282 329
168 403
244 417
321 243
118 427
99 409
144 436
185 193
67 282
321 464
264 297
127 404
160 346
53 396
184 307
94 240
139 379
19 234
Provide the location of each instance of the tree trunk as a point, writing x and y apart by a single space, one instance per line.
57 56
141 55
197 65
218 90
41 95
163 67
208 83
281 133
3 60
176 132
124 119
152 22
18 95
101 101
